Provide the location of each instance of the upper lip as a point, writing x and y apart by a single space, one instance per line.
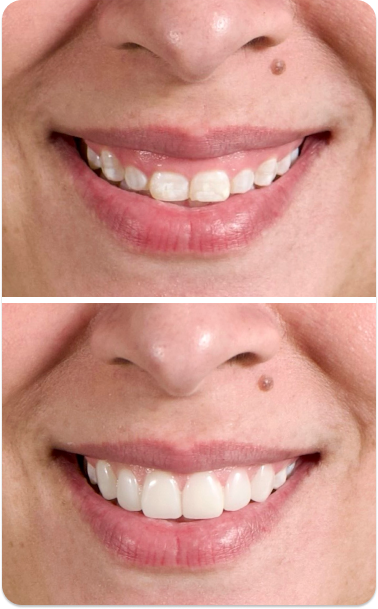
201 456
179 143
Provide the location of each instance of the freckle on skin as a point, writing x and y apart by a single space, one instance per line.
277 67
265 383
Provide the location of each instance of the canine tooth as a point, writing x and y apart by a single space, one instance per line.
161 497
106 480
94 160
284 165
242 182
169 186
289 469
262 483
294 155
237 492
111 167
266 173
91 473
135 179
128 494
279 479
210 187
202 496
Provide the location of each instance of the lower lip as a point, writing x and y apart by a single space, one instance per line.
143 224
143 542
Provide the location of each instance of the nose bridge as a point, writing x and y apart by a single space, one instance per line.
180 345
194 38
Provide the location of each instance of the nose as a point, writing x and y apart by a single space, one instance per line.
180 345
193 37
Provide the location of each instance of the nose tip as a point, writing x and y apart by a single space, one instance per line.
180 346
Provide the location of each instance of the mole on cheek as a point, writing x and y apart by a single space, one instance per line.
277 67
265 383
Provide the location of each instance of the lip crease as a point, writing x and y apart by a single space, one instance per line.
142 542
145 225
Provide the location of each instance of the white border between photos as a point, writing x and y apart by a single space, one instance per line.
146 299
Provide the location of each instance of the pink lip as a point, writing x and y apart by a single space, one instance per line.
145 225
142 542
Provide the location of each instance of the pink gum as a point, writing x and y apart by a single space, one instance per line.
222 474
149 162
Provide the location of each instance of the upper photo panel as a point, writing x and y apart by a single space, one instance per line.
189 148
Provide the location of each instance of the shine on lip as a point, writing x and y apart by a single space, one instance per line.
142 224
142 542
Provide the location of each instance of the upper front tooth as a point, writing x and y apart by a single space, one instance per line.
135 179
242 182
161 497
284 165
91 473
210 187
169 186
111 167
262 483
279 478
294 155
128 495
266 173
106 480
290 468
93 159
202 496
237 492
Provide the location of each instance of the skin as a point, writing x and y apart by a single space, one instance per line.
66 68
61 385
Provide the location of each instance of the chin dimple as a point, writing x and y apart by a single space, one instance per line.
203 188
200 495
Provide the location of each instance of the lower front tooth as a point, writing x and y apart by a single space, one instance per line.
106 480
202 496
210 187
169 186
161 497
262 483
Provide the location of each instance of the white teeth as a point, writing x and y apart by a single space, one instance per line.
111 167
91 473
294 155
262 483
161 496
94 160
237 492
210 187
128 494
284 165
169 186
266 173
279 479
290 468
135 179
106 480
202 496
242 182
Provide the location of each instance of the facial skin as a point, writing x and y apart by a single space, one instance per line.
63 385
66 69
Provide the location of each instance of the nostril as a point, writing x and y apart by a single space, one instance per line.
244 359
259 42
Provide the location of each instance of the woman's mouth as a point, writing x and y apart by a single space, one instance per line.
157 203
158 518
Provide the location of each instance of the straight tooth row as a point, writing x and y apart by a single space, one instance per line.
205 187
203 495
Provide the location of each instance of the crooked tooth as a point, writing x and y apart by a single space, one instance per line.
279 479
161 497
202 496
111 167
210 187
266 173
135 179
294 155
91 473
242 182
128 495
106 480
169 186
237 492
284 165
94 160
262 483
